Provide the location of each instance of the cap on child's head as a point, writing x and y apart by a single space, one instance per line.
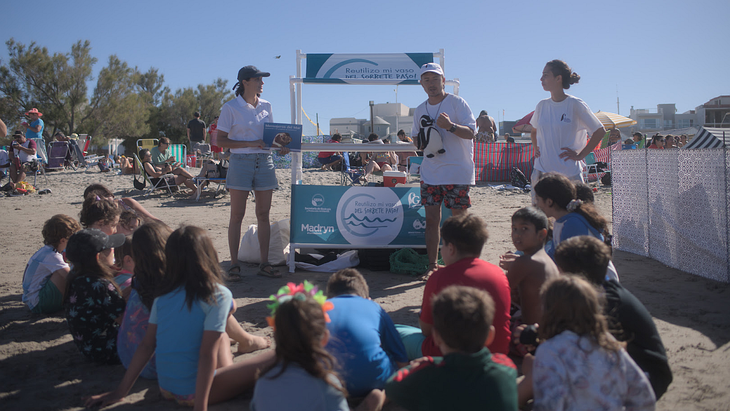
89 242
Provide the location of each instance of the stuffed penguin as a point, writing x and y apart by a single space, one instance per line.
429 138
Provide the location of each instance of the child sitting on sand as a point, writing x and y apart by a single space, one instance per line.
579 365
44 279
463 238
186 331
468 377
94 303
557 198
629 320
363 338
529 272
100 213
124 266
126 203
148 265
128 222
303 377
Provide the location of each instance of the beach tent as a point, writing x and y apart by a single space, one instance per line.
708 137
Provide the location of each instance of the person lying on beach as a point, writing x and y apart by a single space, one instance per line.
44 279
629 320
363 339
463 237
468 376
528 273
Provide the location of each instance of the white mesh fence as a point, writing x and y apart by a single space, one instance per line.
672 206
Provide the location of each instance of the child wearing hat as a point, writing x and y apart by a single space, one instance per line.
94 303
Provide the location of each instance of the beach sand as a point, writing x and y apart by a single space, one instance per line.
41 368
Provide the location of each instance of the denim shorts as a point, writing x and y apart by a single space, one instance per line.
249 172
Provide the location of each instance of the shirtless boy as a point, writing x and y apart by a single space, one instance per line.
528 272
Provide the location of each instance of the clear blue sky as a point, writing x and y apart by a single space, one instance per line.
650 51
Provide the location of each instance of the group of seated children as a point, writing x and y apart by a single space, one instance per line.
594 343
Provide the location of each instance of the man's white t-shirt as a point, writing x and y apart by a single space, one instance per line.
562 124
456 165
244 122
4 159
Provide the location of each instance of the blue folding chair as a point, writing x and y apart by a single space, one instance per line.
350 176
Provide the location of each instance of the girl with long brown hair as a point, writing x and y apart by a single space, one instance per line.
186 330
580 365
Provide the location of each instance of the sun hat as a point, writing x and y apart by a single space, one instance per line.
432 68
89 242
34 111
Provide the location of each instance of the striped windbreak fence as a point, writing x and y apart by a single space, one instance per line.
493 161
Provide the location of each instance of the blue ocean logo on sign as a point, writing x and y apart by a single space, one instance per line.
366 216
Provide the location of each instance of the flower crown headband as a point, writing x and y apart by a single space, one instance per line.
299 292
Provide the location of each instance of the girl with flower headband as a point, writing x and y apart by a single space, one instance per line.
186 331
304 370
556 196
100 213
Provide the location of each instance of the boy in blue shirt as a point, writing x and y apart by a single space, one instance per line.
363 338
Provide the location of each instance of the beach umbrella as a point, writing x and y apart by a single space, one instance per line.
612 120
523 126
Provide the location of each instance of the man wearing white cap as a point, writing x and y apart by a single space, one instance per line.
445 176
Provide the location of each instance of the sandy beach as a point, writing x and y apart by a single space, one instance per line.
41 368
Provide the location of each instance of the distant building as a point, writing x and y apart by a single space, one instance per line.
389 118
714 113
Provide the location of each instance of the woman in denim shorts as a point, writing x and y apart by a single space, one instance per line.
241 128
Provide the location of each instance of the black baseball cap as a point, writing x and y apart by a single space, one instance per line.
249 72
91 241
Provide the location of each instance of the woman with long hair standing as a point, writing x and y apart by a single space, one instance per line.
561 125
241 128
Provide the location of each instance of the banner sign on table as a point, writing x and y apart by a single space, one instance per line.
394 68
358 216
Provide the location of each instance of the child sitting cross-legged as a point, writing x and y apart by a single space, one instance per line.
579 365
468 377
44 280
363 338
628 319
463 238
528 272
304 376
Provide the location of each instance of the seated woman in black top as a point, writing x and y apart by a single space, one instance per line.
155 173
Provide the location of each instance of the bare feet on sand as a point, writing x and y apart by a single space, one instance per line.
254 344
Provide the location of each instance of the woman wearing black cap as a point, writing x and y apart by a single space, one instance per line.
241 128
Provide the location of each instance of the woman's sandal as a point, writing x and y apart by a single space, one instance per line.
271 273
234 273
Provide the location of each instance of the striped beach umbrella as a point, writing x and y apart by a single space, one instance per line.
612 120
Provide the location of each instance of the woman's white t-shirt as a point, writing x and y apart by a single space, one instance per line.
244 122
567 123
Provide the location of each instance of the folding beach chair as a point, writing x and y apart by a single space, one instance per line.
58 152
414 167
147 143
39 165
146 183
179 151
591 168
350 176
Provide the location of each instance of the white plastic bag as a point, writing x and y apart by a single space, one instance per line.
249 251
345 260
